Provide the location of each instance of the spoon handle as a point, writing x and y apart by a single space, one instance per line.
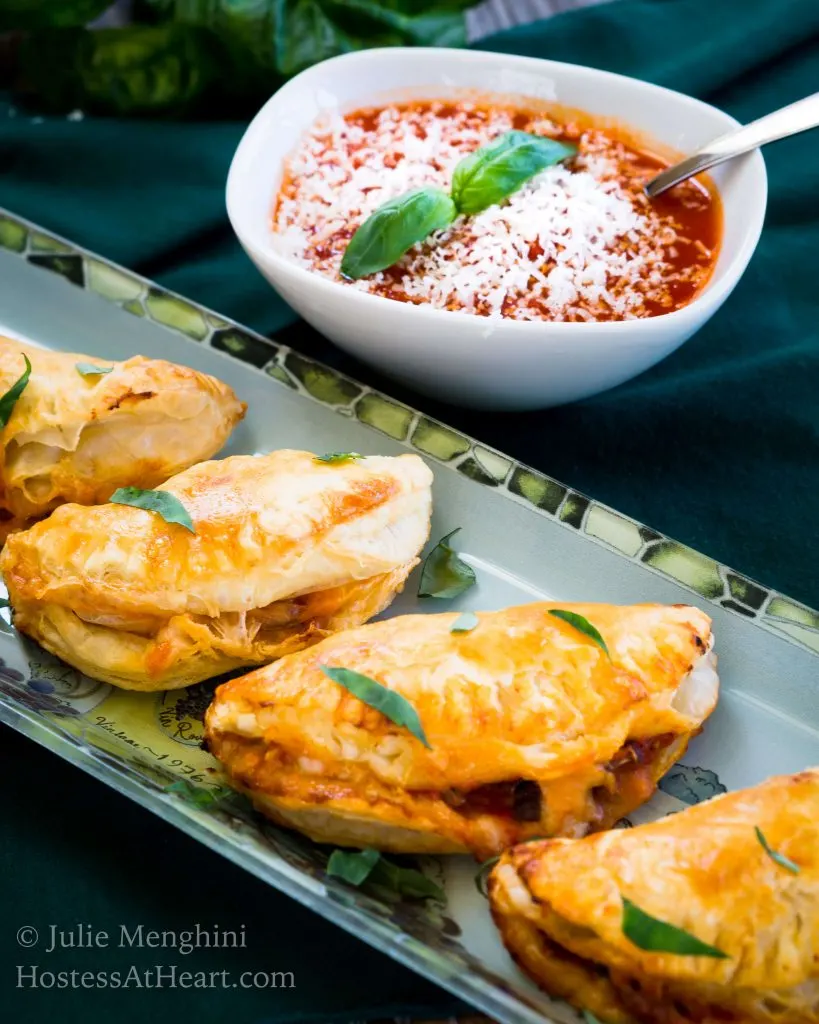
797 117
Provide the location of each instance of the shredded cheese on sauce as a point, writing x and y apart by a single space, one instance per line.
580 241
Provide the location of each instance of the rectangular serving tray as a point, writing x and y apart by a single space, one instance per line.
527 536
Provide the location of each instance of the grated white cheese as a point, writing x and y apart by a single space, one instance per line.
578 242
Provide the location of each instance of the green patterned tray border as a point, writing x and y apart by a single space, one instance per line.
136 295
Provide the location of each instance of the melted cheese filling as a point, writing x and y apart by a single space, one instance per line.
604 793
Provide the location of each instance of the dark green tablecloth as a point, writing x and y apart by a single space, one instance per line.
718 446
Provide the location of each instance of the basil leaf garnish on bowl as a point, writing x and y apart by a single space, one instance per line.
394 228
391 704
778 858
465 623
92 370
444 573
582 625
166 505
358 866
9 399
654 935
334 458
499 168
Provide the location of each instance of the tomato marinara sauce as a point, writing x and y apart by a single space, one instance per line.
579 241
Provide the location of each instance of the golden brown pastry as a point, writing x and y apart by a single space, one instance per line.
533 730
78 438
286 550
559 907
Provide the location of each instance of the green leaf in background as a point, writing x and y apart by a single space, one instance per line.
654 935
308 31
138 70
212 58
496 170
778 858
333 458
394 228
9 399
465 623
358 866
391 704
582 625
23 15
444 573
166 505
92 370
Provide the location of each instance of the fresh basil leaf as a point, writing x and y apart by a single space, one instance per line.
166 505
308 31
499 168
406 881
210 58
134 70
336 457
92 370
482 877
654 935
358 866
352 866
394 228
9 400
779 858
204 799
590 1018
444 573
465 623
582 625
391 704
25 15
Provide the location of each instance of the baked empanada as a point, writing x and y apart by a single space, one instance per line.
286 550
533 729
559 907
78 438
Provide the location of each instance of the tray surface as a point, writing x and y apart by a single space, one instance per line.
527 536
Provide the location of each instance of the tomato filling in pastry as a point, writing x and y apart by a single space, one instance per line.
630 779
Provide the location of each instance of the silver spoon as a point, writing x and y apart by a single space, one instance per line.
797 117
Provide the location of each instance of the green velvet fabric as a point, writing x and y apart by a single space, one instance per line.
718 446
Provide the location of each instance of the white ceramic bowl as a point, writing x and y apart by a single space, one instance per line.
462 358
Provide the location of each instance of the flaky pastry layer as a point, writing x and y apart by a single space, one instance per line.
702 870
533 730
76 438
285 551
